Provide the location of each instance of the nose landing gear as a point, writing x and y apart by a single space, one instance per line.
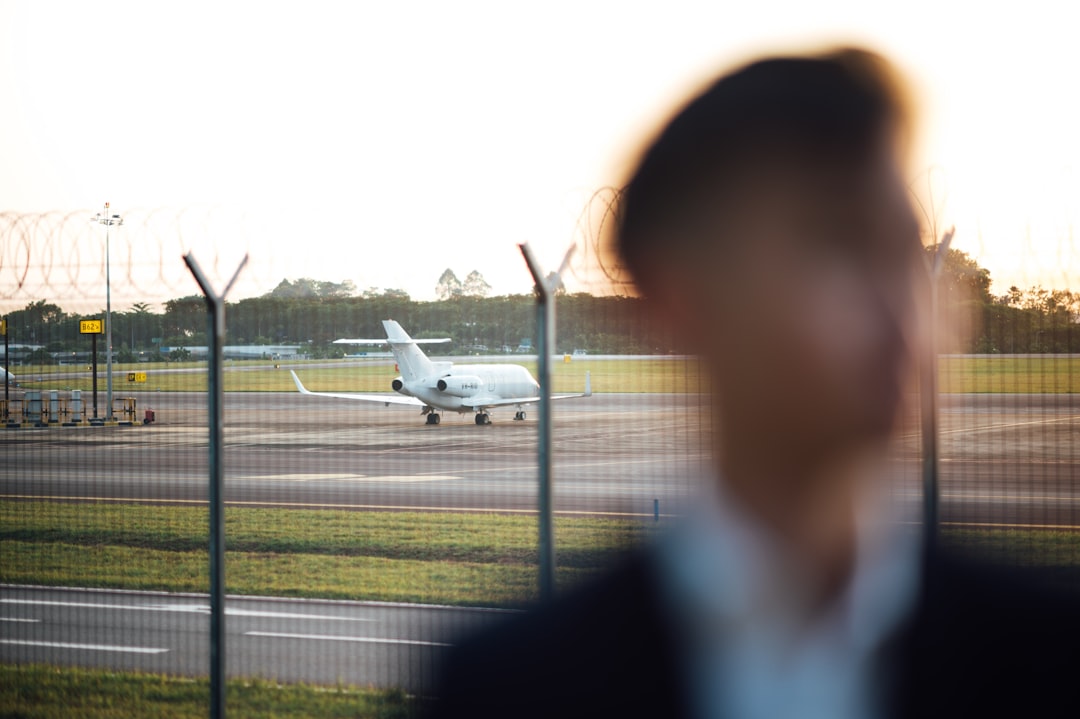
483 418
519 416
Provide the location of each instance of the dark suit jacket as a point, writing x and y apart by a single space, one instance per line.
980 642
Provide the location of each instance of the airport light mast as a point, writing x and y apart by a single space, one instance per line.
104 218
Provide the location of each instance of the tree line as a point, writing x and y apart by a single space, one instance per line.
313 314
973 320
474 324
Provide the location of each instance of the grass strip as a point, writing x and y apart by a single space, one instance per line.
423 536
279 575
635 376
1052 555
440 558
1049 374
1031 374
33 691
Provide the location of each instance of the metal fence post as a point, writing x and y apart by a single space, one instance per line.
545 330
7 367
215 310
929 401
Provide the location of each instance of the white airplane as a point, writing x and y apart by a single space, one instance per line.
441 386
8 377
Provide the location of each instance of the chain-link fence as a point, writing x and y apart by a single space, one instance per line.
362 538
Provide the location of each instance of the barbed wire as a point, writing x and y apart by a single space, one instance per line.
597 265
61 254
1051 260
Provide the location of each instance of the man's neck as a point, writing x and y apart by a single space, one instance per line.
809 507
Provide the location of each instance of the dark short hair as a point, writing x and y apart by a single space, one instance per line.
825 108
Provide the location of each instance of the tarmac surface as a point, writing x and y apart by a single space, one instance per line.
1005 459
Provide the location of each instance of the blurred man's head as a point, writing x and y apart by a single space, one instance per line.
770 225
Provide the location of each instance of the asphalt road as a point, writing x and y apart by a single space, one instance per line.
282 639
1006 459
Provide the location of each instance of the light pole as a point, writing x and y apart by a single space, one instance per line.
104 218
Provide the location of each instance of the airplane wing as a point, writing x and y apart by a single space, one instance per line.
441 340
360 342
480 403
586 393
387 398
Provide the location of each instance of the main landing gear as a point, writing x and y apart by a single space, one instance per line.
519 416
483 418
433 418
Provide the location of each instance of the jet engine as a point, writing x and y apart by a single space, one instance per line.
460 385
397 385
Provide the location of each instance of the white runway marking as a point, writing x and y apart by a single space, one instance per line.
337 638
87 647
183 609
395 478
1011 425
20 620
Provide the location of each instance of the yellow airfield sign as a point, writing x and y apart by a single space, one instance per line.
91 327
136 376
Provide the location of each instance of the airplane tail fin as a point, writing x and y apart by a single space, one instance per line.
411 360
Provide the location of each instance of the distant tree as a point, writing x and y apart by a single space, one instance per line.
475 285
389 293
963 293
179 354
142 324
345 288
962 279
449 285
305 287
40 356
42 312
185 316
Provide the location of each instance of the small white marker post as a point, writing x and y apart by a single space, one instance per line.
545 331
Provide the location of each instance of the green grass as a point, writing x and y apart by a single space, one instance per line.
359 376
1054 555
441 558
437 557
1033 374
32 691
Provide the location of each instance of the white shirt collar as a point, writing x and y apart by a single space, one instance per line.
736 593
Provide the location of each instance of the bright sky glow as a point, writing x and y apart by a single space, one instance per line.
385 142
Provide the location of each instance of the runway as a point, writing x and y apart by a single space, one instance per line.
290 640
1006 459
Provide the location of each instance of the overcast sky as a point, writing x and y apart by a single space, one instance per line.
384 142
